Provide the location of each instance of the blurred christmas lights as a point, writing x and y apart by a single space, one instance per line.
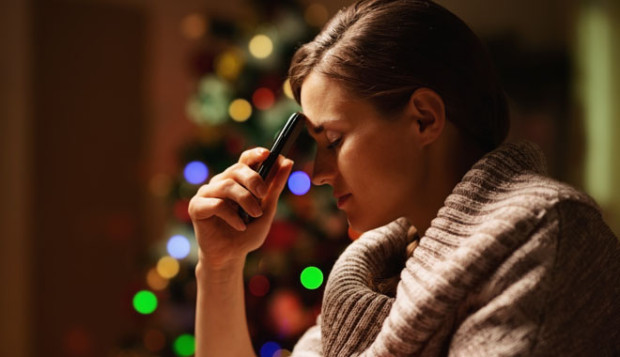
311 278
299 183
196 172
178 246
288 91
168 267
155 281
184 345
240 110
251 73
145 302
261 46
259 285
269 349
263 98
229 64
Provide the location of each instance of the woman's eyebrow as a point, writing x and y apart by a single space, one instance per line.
320 128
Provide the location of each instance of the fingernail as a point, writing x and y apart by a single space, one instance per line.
257 212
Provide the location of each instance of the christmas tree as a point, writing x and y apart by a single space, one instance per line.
242 99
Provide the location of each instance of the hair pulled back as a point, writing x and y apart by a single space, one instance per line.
383 50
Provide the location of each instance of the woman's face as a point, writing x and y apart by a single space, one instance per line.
372 162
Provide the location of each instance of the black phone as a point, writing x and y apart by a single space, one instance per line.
281 146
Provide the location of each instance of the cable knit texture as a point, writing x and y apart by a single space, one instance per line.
514 264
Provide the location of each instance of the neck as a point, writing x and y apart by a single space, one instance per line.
448 160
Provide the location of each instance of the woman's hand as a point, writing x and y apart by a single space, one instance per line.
222 236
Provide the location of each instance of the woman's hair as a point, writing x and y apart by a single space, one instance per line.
383 50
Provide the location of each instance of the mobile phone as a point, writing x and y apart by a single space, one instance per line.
281 146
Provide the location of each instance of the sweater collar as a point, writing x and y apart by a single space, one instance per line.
348 301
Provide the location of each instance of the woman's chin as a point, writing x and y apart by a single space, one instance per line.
362 225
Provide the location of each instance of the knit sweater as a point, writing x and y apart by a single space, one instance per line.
514 264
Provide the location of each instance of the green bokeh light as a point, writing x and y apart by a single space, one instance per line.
185 345
311 278
145 302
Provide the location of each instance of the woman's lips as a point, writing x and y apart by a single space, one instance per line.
343 199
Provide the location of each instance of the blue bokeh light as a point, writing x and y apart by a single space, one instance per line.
178 247
269 349
299 183
196 172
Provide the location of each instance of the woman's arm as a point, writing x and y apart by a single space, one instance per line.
221 326
224 241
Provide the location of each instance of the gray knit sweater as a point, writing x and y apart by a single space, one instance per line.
514 264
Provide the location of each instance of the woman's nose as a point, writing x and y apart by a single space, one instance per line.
323 171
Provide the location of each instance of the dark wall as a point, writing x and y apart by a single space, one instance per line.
89 120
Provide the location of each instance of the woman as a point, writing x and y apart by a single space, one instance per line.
469 249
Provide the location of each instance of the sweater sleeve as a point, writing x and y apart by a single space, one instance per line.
555 296
309 345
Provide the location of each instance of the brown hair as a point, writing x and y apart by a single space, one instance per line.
383 50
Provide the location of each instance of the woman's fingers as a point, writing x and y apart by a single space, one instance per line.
230 189
201 208
284 167
253 157
241 186
249 179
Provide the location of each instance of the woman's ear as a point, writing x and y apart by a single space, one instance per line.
427 110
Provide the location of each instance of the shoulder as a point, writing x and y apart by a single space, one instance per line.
538 191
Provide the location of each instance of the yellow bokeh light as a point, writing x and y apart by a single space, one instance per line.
240 110
193 26
288 91
228 65
261 46
156 281
168 267
316 15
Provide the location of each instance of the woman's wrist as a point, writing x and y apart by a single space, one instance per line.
220 271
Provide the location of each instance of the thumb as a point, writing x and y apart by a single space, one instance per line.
278 182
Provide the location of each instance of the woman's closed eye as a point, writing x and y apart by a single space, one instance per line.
333 138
